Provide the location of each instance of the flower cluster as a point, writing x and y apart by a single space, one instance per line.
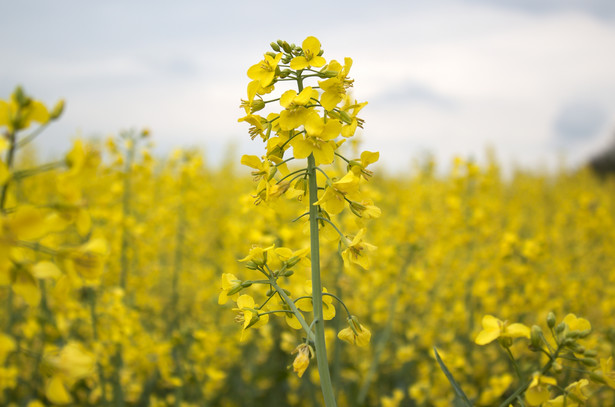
311 121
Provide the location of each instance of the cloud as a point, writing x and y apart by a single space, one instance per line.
451 77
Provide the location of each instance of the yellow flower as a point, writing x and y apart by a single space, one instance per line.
89 259
70 364
264 71
230 285
606 371
356 251
302 360
351 121
295 113
291 258
247 314
335 88
360 168
257 255
333 200
16 115
578 391
538 392
257 125
264 169
311 49
355 333
577 324
494 328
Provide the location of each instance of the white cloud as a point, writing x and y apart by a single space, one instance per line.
444 77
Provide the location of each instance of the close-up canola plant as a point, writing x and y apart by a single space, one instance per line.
303 278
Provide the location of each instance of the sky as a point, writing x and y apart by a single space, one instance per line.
533 80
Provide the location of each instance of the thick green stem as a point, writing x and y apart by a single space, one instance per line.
319 326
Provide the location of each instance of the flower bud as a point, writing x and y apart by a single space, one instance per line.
357 208
551 320
272 172
354 324
557 367
597 377
57 110
257 104
235 290
271 54
284 73
573 334
275 47
287 273
585 333
328 74
591 362
345 117
254 320
560 327
591 353
535 338
246 284
20 97
285 46
292 261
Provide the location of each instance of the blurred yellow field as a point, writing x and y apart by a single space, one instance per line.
132 280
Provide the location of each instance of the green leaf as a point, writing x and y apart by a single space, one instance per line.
452 380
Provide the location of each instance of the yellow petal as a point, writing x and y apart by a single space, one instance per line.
56 391
5 119
292 321
28 223
245 301
298 63
46 269
518 331
252 161
83 222
577 324
25 285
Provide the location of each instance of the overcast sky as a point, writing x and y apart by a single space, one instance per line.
534 79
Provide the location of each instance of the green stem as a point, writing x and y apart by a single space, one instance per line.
319 326
94 320
37 170
514 363
294 309
126 212
525 386
10 156
387 332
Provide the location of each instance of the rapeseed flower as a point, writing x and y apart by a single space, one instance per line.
494 328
